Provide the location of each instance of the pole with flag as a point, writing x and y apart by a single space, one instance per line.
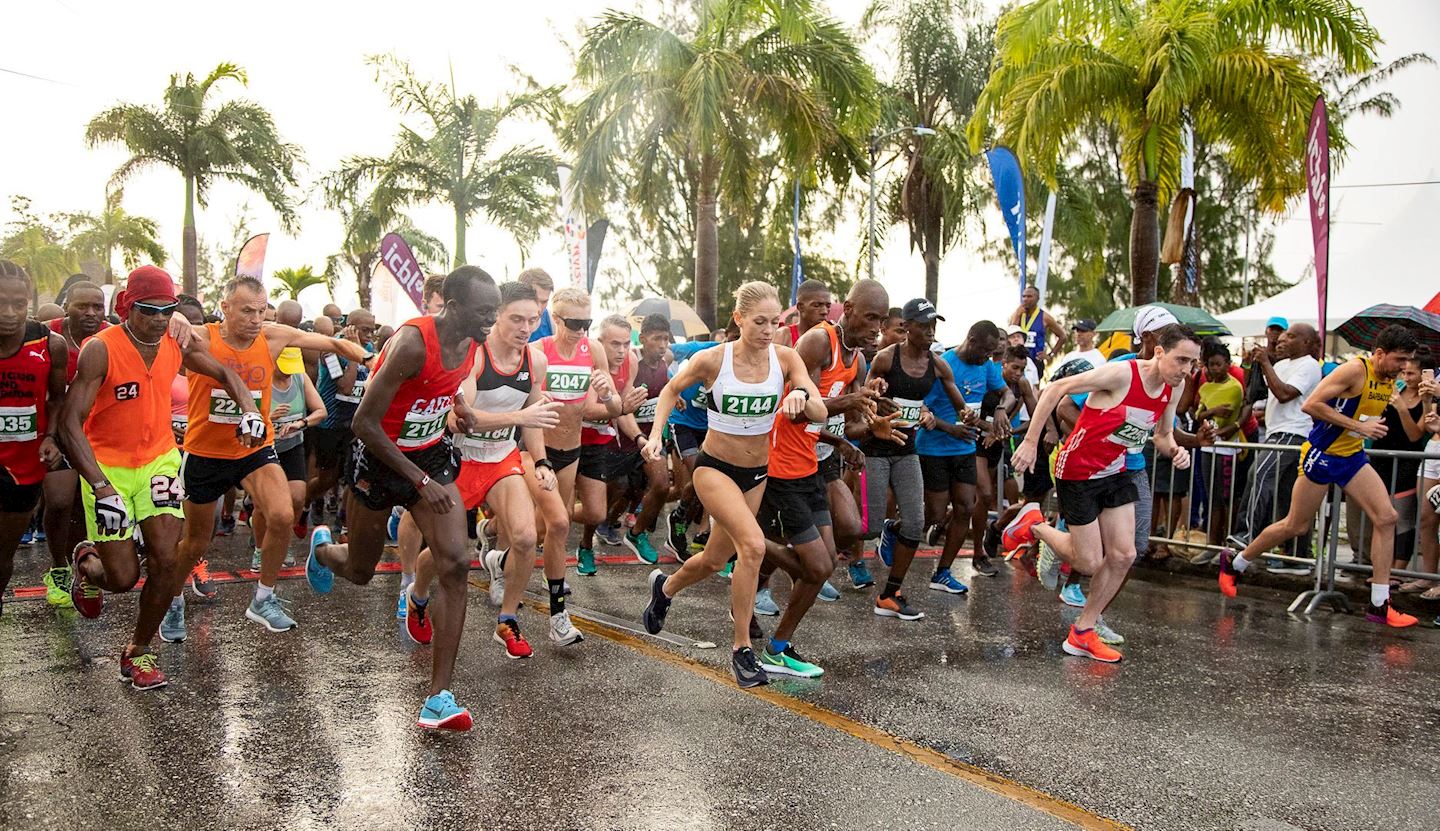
1042 270
797 271
1010 191
574 230
1317 182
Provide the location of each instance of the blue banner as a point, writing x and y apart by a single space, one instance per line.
1010 190
797 272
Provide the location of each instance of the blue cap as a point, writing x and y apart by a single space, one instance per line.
1278 322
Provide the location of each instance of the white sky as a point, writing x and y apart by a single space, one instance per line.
305 62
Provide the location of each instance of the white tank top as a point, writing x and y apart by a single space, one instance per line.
740 408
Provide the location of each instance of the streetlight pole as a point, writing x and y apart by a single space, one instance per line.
876 139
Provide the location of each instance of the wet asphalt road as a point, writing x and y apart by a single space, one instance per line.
1224 715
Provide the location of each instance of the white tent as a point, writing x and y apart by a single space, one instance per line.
1299 303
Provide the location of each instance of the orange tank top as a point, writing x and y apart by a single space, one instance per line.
129 424
213 415
792 443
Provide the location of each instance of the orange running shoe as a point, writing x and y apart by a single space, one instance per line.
507 633
1019 532
1228 574
1387 615
1087 644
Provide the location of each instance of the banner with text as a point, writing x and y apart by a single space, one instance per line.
1010 191
1317 182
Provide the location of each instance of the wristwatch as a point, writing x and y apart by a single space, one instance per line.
545 463
103 483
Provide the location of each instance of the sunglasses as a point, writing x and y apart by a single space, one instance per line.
152 309
577 324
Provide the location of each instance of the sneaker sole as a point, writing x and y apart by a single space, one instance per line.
126 680
1072 604
263 622
579 636
501 641
180 639
451 723
745 685
775 669
888 613
823 599
767 612
941 587
1085 653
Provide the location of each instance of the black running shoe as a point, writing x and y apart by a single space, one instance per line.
659 604
748 672
676 538
991 542
983 566
757 634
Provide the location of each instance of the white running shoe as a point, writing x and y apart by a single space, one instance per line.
562 631
494 564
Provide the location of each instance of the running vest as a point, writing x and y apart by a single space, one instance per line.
1371 403
416 416
605 432
1096 447
908 393
742 408
72 361
24 385
835 378
567 379
1034 327
214 414
653 379
179 406
795 448
129 424
496 392
295 397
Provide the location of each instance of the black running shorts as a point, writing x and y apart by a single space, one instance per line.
379 488
1082 501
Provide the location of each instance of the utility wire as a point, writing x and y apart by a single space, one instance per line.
35 77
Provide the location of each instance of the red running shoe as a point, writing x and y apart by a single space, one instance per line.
507 633
1019 532
301 529
1228 574
417 620
85 595
1087 644
1388 616
142 671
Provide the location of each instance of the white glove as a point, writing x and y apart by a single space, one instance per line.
251 425
110 514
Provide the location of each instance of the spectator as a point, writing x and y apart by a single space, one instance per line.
1084 331
1222 401
1256 382
1037 325
1403 418
1429 508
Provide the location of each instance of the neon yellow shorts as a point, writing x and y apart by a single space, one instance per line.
151 490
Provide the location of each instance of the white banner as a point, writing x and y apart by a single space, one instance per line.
1043 272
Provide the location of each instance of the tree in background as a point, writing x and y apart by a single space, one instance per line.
453 163
942 54
689 107
39 248
292 281
1146 69
100 236
203 141
364 226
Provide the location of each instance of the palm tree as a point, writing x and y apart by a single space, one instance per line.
364 227
234 141
292 281
1149 67
452 163
711 95
99 236
39 249
942 58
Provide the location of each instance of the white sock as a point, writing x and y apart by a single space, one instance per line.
1239 563
1379 594
405 581
263 591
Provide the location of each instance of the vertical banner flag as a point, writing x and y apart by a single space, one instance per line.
594 240
1042 271
396 300
1010 190
574 231
797 272
250 262
1317 182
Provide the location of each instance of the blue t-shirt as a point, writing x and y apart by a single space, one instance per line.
545 329
973 381
340 410
695 415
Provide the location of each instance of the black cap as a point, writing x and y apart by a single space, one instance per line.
920 310
1084 325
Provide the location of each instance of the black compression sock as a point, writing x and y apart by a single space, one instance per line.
892 587
557 596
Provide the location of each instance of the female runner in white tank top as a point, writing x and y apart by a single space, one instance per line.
747 379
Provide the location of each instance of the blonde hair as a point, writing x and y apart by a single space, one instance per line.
536 278
570 296
753 293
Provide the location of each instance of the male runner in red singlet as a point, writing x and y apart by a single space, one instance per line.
1097 496
812 305
404 457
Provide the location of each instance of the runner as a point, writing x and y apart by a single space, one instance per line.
1038 325
404 457
732 466
651 376
689 423
341 384
537 279
33 371
295 407
505 398
125 454
1346 407
216 463
1126 400
601 455
812 305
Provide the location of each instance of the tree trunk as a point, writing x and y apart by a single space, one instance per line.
459 238
707 241
363 268
189 266
930 252
1144 243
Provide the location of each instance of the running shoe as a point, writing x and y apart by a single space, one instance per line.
609 534
40 535
300 529
440 712
934 536
748 672
1087 644
828 593
507 634
256 560
1228 575
895 606
28 537
860 577
728 570
400 605
757 633
944 581
57 587
675 530
1047 566
482 537
392 525
585 562
984 566
789 662
886 550
200 582
172 626
1073 595
84 595
1020 531
701 540
417 618
495 567
224 525
1108 636
659 604
320 578
1284 567
270 613
562 631
640 545
317 513
1388 616
765 603
990 542
142 671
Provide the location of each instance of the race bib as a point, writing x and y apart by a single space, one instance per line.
356 393
567 383
1132 436
1030 339
747 406
332 363
503 434
646 413
18 423
909 412
604 428
224 410
420 429
835 426
702 398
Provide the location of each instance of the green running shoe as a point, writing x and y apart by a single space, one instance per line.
643 550
789 662
586 564
57 588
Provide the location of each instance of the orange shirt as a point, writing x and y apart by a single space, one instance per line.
213 416
129 425
792 443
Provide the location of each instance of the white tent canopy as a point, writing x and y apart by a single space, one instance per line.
1299 303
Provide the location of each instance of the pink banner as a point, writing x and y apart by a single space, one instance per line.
250 262
1317 182
395 256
